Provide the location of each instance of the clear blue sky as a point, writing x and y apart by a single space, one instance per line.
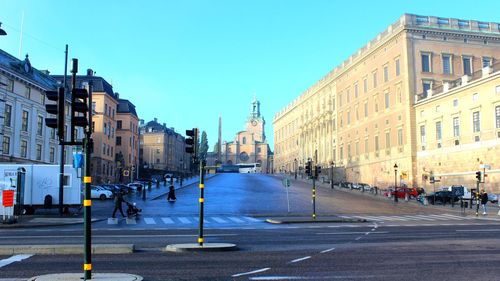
187 62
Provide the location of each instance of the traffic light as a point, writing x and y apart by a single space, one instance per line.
317 171
79 108
431 180
478 176
192 142
56 109
308 168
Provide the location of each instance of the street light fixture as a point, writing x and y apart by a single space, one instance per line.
2 32
395 182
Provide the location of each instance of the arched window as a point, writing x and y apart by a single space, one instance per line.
244 140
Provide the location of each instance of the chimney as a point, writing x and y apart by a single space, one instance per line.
90 72
117 95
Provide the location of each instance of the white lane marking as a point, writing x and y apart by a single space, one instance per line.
342 233
251 272
327 250
300 259
219 220
235 219
477 230
357 238
252 219
167 220
149 221
184 220
391 218
12 259
370 218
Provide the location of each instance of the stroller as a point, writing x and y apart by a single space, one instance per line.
132 209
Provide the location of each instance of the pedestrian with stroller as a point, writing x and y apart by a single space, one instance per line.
118 204
171 194
484 199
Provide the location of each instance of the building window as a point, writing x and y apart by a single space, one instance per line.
374 75
340 99
487 61
387 140
497 89
52 155
366 109
398 92
376 143
422 134
341 152
426 62
38 151
456 127
119 124
39 127
467 64
356 90
24 148
476 122
455 103
446 64
24 124
400 137
7 115
259 150
27 92
438 131
348 96
475 97
94 105
365 85
398 70
244 140
366 145
10 85
386 73
426 85
103 148
118 140
497 116
348 117
387 100
6 145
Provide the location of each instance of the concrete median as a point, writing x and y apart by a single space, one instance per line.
68 249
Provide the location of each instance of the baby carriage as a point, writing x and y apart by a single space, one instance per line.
132 209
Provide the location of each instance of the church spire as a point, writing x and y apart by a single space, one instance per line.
254 108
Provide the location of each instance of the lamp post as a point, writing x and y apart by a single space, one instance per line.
332 164
295 167
395 182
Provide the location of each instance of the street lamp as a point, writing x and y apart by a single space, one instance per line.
332 164
295 167
395 182
2 32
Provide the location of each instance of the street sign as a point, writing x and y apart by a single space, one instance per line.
8 198
126 173
485 166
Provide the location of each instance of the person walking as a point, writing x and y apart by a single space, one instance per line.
171 194
118 204
484 199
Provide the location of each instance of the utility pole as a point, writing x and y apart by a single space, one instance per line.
314 184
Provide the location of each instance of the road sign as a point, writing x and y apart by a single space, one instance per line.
485 166
126 173
8 198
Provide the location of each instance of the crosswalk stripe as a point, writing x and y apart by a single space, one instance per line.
370 218
149 221
198 219
456 217
167 220
219 220
184 220
252 219
389 218
112 221
424 217
412 218
131 221
235 219
443 218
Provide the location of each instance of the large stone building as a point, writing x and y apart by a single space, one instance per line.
23 134
162 149
361 117
127 140
250 145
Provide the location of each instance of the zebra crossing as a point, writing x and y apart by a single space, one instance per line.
418 218
185 220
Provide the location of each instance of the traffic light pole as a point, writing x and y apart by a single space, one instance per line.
87 203
61 141
201 200
314 184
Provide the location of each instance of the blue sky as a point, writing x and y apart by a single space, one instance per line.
187 62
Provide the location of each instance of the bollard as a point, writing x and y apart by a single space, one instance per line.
157 184
406 197
149 185
144 193
376 190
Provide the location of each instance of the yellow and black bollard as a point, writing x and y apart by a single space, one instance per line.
201 200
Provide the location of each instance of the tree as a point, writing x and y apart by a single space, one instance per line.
202 154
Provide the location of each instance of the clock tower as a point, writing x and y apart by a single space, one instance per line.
255 122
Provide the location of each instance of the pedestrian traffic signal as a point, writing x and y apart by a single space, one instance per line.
192 142
308 168
478 176
56 109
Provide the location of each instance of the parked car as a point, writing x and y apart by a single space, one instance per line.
345 184
98 192
114 188
136 185
493 198
365 187
124 188
443 196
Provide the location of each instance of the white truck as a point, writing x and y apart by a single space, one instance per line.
41 185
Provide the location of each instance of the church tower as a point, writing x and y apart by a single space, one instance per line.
255 122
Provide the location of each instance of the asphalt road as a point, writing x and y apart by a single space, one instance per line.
403 241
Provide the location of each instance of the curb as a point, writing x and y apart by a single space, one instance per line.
310 220
195 247
28 225
68 249
95 276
